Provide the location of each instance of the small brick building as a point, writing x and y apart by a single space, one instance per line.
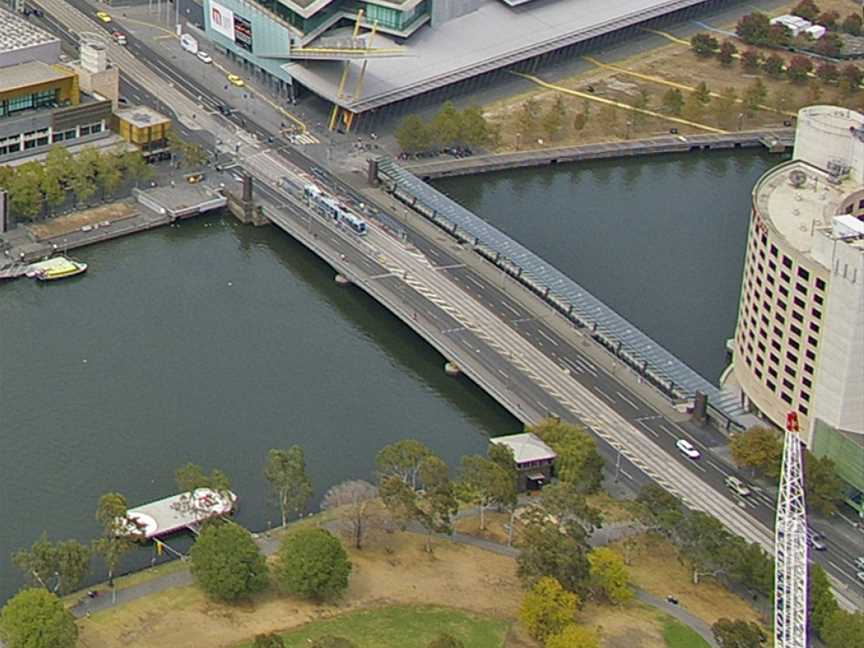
535 461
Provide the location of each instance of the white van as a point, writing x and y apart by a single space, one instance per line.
188 43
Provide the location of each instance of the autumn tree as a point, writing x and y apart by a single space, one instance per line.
774 66
807 9
727 53
852 24
799 68
609 576
286 472
547 608
828 19
827 72
754 28
737 634
356 504
573 636
751 60
704 44
853 75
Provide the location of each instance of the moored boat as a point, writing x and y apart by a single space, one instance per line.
56 268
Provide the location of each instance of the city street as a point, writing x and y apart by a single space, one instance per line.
521 351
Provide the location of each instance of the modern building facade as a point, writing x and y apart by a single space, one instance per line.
41 104
799 341
146 129
371 58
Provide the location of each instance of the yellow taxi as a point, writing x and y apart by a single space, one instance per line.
104 17
233 79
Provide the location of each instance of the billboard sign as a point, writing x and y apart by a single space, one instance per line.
243 32
222 20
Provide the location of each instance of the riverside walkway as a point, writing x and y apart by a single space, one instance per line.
775 140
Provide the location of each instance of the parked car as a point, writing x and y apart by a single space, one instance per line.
103 16
233 79
859 563
687 448
737 486
204 57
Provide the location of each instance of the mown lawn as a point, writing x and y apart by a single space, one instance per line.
678 635
403 627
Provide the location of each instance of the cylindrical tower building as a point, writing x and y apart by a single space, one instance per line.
799 342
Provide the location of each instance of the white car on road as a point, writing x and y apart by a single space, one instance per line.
204 57
687 448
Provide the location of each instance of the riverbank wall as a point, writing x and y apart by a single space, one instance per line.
773 140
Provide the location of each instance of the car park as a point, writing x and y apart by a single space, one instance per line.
204 57
737 486
233 79
687 448
103 16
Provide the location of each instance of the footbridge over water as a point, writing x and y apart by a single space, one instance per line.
658 366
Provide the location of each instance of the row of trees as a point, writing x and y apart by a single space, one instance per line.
761 450
797 69
809 10
448 128
711 550
37 188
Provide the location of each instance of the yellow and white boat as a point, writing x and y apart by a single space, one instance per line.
56 268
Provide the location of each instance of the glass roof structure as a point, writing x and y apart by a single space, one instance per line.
658 365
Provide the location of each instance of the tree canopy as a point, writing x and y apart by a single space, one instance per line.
356 504
578 461
402 459
547 608
738 634
312 564
484 482
549 550
574 636
609 575
286 472
36 618
67 561
226 562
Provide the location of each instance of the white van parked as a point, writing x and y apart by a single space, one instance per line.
188 43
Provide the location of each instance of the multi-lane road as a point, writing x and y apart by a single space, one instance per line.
513 347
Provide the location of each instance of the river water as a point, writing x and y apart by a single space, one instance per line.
213 342
661 240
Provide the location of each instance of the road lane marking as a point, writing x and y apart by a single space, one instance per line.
604 394
627 400
510 308
540 331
